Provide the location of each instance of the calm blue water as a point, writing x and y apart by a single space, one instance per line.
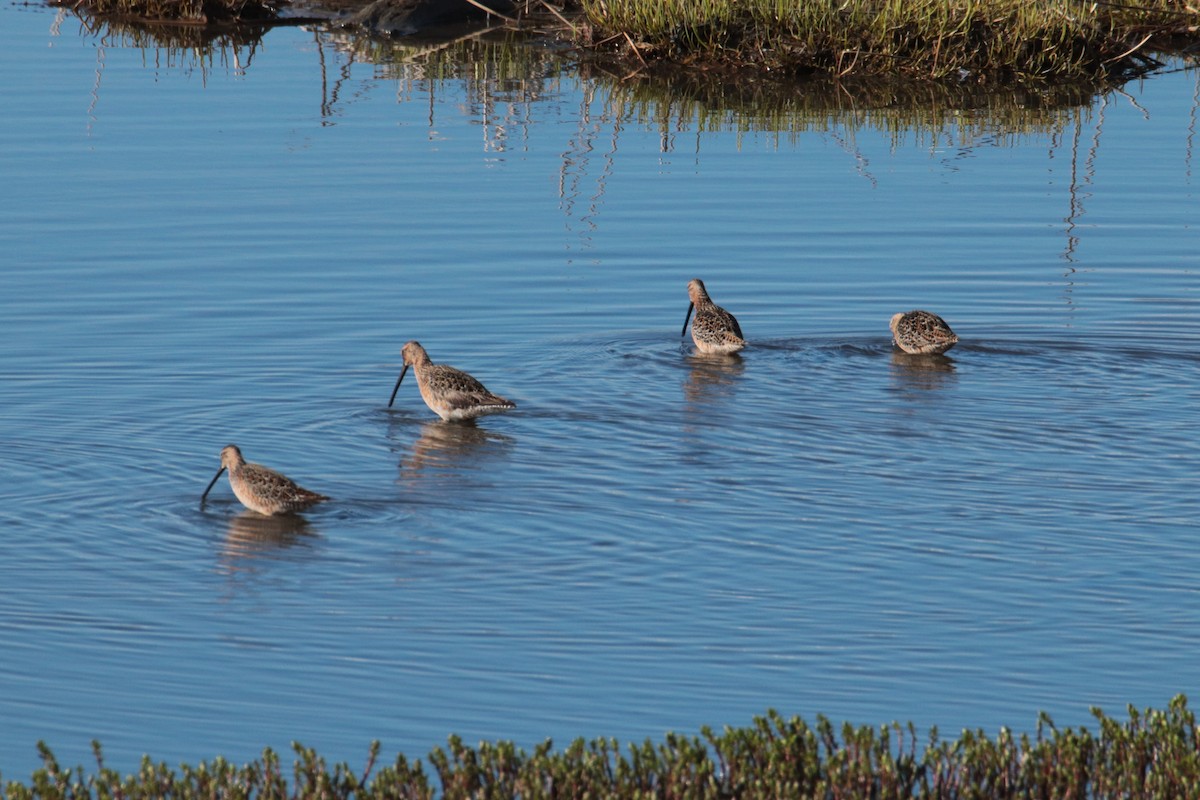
197 253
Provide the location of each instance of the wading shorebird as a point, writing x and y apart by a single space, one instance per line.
714 330
451 393
921 332
261 489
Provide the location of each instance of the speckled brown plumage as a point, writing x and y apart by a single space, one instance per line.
714 330
921 332
451 393
261 489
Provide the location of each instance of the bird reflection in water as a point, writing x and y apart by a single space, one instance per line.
252 536
712 377
452 447
922 372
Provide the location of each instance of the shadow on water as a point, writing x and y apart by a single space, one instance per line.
251 536
505 75
448 451
712 378
500 65
188 48
504 78
922 372
704 102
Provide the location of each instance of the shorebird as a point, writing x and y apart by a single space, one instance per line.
451 393
922 332
714 330
261 489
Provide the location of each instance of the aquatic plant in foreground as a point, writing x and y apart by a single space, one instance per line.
1153 754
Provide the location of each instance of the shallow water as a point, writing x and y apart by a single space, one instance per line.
200 252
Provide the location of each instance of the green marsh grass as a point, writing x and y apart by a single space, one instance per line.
962 40
1151 754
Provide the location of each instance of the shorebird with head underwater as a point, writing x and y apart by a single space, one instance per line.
922 333
714 330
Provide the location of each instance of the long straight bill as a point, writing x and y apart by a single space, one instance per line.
396 388
211 484
686 318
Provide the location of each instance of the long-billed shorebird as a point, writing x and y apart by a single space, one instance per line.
261 489
451 393
714 330
921 332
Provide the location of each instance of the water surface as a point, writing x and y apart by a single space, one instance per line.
233 246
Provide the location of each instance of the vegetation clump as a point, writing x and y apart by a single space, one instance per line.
963 41
960 40
1155 754
178 12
